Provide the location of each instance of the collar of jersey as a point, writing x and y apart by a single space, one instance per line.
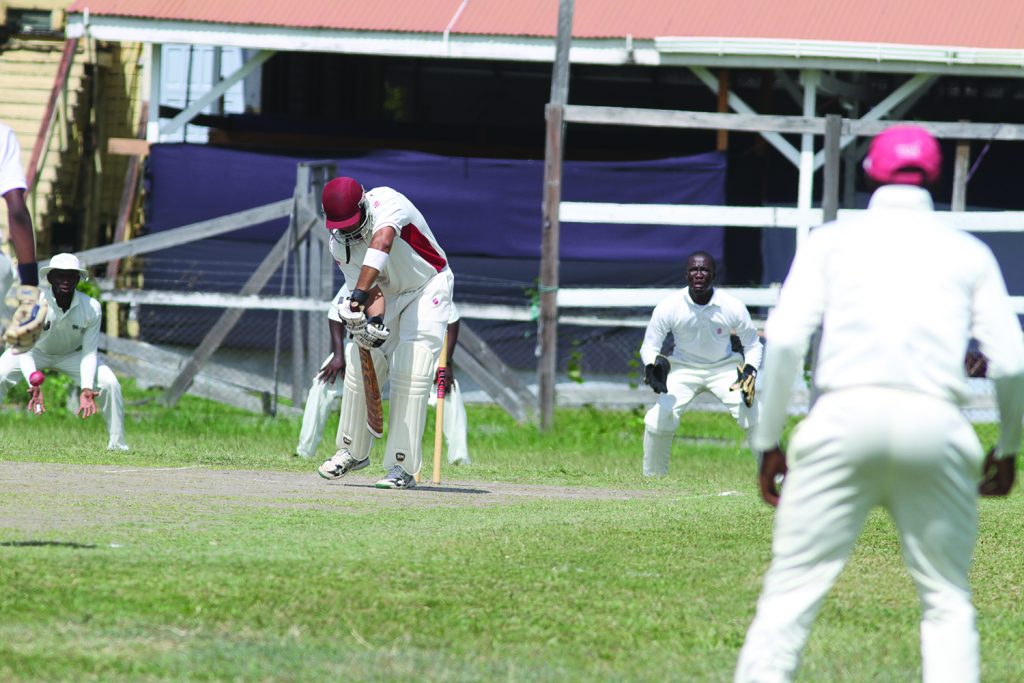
901 197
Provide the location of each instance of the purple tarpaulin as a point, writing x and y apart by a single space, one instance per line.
478 207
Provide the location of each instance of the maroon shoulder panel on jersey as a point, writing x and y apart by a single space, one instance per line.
422 246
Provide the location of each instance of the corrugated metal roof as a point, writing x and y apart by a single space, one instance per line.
997 24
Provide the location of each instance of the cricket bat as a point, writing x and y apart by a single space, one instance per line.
374 410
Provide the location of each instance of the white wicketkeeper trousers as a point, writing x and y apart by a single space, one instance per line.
109 402
684 384
319 401
454 423
917 457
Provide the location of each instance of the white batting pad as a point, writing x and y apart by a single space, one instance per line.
411 378
352 432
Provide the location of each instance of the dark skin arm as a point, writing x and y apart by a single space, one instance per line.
20 222
336 366
382 240
773 465
997 476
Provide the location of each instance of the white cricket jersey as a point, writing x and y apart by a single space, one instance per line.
12 177
75 331
415 256
701 333
900 292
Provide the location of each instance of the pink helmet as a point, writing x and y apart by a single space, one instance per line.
901 154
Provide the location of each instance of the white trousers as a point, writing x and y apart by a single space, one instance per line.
918 458
684 384
111 404
320 401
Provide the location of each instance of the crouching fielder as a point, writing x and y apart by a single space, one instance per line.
702 322
399 306
70 344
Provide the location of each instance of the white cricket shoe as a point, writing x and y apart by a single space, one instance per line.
340 464
396 478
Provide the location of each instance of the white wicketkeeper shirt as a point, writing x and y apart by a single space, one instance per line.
899 292
415 257
701 333
76 331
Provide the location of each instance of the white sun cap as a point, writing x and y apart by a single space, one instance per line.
64 262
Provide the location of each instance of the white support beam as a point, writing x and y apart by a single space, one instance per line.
154 52
914 87
216 91
774 139
805 187
790 86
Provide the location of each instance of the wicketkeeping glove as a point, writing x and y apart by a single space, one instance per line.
29 315
745 377
656 375
373 335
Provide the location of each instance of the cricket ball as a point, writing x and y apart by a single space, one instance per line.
36 378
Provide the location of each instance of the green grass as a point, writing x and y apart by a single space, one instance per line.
659 586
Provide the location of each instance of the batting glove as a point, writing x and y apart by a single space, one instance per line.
374 335
26 324
745 378
656 375
352 316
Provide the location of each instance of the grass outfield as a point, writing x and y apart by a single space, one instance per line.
209 553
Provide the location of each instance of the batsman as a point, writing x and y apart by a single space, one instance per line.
397 311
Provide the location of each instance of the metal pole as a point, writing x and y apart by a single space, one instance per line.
553 149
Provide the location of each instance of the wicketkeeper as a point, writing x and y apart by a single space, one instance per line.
702 321
401 288
23 307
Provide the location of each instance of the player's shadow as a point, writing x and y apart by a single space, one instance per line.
425 487
34 544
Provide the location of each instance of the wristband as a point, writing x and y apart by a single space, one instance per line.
375 258
28 274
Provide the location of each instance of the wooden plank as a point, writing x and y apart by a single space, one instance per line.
128 146
698 120
186 233
492 386
503 380
830 191
173 361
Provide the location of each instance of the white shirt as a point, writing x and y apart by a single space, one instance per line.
76 330
415 256
12 177
701 333
900 292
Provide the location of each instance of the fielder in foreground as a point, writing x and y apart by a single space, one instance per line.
702 322
401 289
23 307
886 429
70 344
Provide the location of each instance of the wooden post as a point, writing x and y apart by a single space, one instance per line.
722 142
830 191
958 202
553 147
